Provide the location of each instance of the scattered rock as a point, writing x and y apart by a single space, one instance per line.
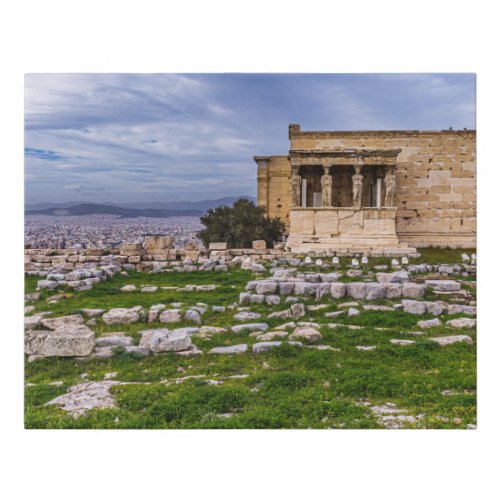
271 335
402 342
171 316
123 315
429 323
246 316
233 349
366 347
54 323
413 307
249 326
192 315
66 341
87 396
306 333
452 339
113 341
266 346
462 323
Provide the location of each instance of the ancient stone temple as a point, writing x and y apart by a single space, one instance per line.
373 191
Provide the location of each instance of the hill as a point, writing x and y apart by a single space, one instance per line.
91 208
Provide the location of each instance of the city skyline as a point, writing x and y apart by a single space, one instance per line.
168 137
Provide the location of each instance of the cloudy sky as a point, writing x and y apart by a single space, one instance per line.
168 137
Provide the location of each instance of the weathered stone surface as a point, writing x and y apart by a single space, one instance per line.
443 285
131 249
266 346
249 326
257 268
434 308
402 342
245 297
47 284
413 290
116 341
87 396
452 339
168 341
286 287
462 323
53 323
334 314
255 298
232 349
192 315
352 311
356 290
429 323
337 290
306 333
366 347
246 316
31 322
460 308
122 315
393 290
264 337
128 288
305 288
375 291
397 277
34 342
322 290
297 311
413 307
273 300
149 289
259 244
66 341
171 316
212 329
222 245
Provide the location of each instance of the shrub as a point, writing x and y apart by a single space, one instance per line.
239 225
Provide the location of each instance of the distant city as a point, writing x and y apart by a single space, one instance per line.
103 230
92 225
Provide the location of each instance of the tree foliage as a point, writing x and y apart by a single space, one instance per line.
239 225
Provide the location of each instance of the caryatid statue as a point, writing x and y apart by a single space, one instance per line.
326 187
295 186
390 187
357 187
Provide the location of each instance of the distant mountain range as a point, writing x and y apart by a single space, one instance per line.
153 209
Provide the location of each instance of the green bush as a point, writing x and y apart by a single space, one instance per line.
239 225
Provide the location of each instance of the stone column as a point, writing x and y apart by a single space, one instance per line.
379 188
390 186
357 186
295 186
326 187
304 193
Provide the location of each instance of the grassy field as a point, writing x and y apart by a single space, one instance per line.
287 387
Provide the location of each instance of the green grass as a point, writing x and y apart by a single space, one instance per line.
297 388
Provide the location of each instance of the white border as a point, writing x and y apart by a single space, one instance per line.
257 36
